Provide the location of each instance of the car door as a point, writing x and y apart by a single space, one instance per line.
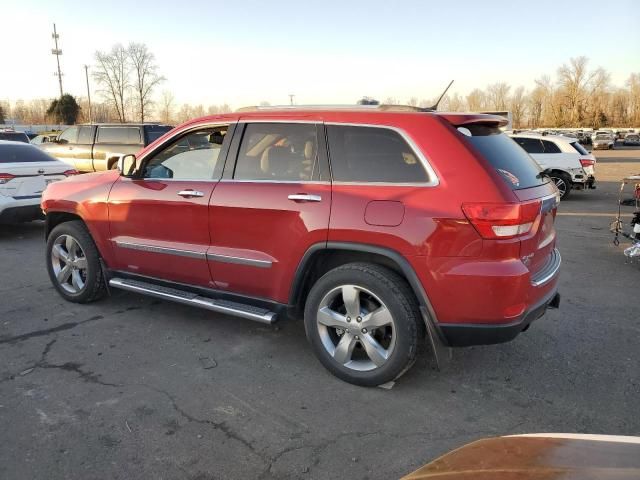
552 156
159 218
64 147
82 152
271 205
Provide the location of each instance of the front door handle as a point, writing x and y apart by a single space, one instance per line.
304 197
190 193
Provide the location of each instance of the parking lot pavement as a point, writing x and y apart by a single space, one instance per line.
132 387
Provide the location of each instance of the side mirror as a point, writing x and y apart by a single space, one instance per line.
127 165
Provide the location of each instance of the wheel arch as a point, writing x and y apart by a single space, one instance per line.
322 257
53 219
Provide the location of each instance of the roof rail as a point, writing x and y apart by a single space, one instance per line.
384 108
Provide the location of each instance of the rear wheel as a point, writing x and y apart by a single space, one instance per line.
563 182
362 322
73 263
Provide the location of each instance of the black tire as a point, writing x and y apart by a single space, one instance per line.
565 178
94 286
398 298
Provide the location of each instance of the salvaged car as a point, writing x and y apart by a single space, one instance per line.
375 224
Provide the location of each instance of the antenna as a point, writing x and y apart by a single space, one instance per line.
435 106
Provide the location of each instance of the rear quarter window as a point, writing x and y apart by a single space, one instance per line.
372 154
579 148
511 161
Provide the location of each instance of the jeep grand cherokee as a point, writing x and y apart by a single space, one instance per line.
377 225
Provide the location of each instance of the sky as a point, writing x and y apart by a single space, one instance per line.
324 52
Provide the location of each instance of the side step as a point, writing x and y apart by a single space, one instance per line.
180 296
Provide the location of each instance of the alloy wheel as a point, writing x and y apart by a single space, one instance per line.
356 328
69 264
561 184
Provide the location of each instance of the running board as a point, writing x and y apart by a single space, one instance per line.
181 296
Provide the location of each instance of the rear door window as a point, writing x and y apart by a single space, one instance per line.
550 147
530 145
372 154
119 135
513 163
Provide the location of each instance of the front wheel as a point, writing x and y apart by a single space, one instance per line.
73 263
362 321
563 183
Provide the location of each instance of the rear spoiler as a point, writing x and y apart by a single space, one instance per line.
462 119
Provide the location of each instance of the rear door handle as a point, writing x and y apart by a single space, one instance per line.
190 193
304 197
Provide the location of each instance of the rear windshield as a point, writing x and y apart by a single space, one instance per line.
581 150
154 132
14 136
12 153
510 160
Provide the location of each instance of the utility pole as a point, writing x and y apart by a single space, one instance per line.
57 52
291 97
86 74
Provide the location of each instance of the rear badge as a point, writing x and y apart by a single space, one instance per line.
510 176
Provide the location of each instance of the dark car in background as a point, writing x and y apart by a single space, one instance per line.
92 148
13 136
631 139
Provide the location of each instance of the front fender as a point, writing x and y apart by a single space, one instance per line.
85 196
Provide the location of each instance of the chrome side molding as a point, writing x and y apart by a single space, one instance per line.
239 260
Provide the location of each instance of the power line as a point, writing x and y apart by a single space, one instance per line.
57 52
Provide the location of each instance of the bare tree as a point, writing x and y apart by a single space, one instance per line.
112 74
166 102
518 106
145 76
477 100
455 102
498 96
573 80
634 98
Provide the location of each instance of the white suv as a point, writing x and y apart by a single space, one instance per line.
567 162
25 171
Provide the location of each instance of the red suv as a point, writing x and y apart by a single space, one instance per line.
377 225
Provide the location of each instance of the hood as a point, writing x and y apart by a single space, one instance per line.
539 457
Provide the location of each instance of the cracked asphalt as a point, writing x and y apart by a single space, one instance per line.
132 387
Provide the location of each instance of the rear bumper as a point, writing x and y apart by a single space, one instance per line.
470 334
475 308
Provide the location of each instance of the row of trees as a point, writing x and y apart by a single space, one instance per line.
576 96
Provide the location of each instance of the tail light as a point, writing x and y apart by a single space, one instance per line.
6 177
587 162
502 220
68 173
